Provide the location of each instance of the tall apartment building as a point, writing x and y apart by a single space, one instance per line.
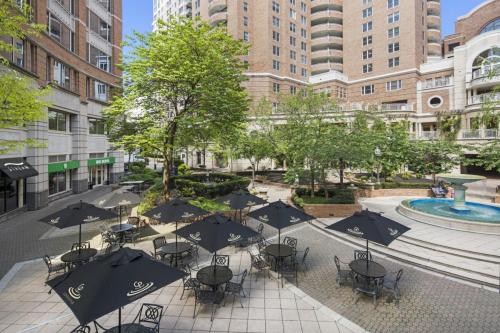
165 9
379 55
76 55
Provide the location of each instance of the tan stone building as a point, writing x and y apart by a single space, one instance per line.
76 55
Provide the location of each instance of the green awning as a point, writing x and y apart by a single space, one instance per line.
62 166
101 161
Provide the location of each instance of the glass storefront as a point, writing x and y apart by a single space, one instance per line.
57 182
99 169
9 194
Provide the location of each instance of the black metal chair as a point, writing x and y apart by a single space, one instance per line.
82 245
260 228
54 268
236 288
149 316
158 243
220 260
372 289
259 264
81 329
289 271
290 241
392 285
189 283
360 254
131 236
343 275
208 297
303 262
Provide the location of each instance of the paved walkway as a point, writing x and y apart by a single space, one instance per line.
24 238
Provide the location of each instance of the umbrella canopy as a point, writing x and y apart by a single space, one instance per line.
77 214
280 215
215 232
370 226
119 198
240 199
108 283
175 210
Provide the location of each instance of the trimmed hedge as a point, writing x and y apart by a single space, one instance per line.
403 185
218 184
335 196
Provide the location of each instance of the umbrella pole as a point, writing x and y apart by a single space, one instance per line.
80 238
176 254
367 253
120 210
119 319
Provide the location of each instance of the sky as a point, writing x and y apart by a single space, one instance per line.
138 14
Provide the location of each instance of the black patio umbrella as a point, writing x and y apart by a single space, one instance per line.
174 211
110 282
240 199
371 226
280 215
119 199
77 214
215 232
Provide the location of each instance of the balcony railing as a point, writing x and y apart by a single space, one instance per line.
484 134
396 107
429 135
486 71
437 83
382 107
484 98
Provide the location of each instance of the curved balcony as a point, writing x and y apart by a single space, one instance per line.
433 6
326 29
216 6
332 42
324 16
485 76
434 34
325 67
325 4
484 98
434 20
218 18
434 48
331 55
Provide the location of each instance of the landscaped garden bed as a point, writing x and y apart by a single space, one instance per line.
339 202
208 186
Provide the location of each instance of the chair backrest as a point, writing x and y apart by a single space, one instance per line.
134 220
82 245
290 241
81 329
158 242
398 277
306 252
262 243
220 260
337 262
260 228
359 254
150 314
243 276
47 260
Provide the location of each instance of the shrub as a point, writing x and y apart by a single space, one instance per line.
335 196
140 172
208 205
151 197
218 184
404 185
183 169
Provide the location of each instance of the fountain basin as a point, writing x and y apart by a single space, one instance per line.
476 217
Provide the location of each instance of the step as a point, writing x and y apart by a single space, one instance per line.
472 269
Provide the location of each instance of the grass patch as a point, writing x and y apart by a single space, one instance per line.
208 205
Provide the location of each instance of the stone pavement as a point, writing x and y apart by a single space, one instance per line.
20 237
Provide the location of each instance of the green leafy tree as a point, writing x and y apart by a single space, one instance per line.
21 101
488 156
184 74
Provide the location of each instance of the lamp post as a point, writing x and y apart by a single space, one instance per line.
378 153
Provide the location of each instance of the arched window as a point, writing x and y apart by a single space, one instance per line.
487 57
493 25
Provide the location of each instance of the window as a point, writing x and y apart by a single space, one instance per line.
276 22
276 36
246 36
276 50
304 72
245 6
57 182
276 65
303 46
292 14
394 62
293 40
393 85
68 5
452 46
292 27
367 12
303 19
393 17
393 47
99 26
368 90
245 21
99 59
100 91
18 54
276 7
292 2
303 33
367 68
303 59
303 7
57 121
367 26
392 3
276 87
293 55
393 32
367 2
367 54
293 69
57 158
106 4
61 75
493 25
293 90
97 126
60 32
435 101
367 40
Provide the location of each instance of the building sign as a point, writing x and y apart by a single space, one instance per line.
17 168
101 161
62 166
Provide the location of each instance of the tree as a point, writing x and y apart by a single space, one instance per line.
183 75
433 157
21 101
488 156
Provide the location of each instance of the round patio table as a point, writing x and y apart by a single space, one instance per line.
214 276
130 328
170 248
78 256
278 251
369 269
121 227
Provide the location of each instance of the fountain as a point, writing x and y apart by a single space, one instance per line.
457 213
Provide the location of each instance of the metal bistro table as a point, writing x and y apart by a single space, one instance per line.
130 328
121 228
279 252
369 269
77 257
214 276
176 250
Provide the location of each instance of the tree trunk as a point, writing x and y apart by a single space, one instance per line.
253 175
168 160
341 172
312 181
